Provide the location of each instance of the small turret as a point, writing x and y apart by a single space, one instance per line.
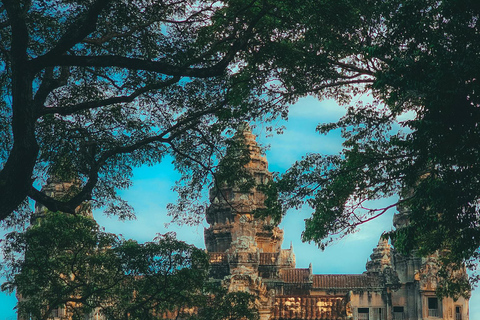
380 258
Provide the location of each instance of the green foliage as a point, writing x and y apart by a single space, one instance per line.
219 304
65 261
92 89
231 170
69 262
425 69
273 209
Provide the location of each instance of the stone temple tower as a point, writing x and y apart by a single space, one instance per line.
239 245
59 189
230 215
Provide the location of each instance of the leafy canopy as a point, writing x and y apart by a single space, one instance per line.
68 262
94 88
419 139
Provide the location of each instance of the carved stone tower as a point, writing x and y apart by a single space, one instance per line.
380 258
58 189
230 214
237 243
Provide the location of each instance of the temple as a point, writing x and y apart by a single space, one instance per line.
246 254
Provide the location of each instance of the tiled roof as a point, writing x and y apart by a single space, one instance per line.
308 307
345 281
330 281
295 275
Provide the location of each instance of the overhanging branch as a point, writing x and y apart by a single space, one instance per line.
82 27
109 61
85 194
109 101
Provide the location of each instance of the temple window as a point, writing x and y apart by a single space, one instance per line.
433 308
379 314
458 313
398 313
58 313
363 314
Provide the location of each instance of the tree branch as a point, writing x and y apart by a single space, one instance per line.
49 83
147 65
85 194
19 29
112 35
341 83
108 61
15 177
327 85
78 30
351 67
106 102
381 212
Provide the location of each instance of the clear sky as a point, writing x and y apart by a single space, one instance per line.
151 192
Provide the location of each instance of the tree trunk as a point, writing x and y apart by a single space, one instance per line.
16 175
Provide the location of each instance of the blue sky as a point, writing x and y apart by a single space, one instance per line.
151 191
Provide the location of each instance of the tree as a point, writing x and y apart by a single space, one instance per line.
68 262
423 58
219 304
93 88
